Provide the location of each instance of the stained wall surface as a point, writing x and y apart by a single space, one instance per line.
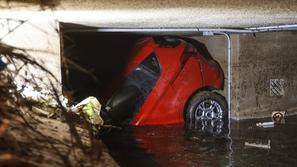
40 41
263 72
166 13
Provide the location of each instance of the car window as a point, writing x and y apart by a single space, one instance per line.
144 77
152 63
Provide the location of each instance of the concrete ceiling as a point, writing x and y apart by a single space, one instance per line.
151 13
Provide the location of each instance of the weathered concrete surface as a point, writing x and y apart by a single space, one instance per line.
41 41
264 57
169 13
256 60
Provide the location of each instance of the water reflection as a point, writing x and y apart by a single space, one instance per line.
213 138
207 128
176 146
179 146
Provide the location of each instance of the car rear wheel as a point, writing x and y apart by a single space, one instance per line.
207 114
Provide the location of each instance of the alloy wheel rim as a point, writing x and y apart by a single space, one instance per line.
208 109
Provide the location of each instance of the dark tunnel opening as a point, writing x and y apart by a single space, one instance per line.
92 62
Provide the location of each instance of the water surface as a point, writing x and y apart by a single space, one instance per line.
175 147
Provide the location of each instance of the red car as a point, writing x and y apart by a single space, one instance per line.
169 80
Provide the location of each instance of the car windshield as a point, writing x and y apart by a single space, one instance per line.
144 77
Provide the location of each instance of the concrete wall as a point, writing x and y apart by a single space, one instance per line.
257 61
165 13
39 39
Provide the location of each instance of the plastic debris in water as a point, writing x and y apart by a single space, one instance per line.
90 109
265 124
258 145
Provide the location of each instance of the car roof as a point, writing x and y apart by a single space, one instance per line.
173 41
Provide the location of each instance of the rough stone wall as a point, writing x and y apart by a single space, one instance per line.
256 62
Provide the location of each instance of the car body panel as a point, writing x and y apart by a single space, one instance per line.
184 71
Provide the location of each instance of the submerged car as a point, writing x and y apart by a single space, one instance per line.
169 80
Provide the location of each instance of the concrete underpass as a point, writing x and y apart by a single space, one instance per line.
97 37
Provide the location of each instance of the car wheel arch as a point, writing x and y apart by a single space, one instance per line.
205 88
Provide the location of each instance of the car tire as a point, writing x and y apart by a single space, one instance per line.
207 114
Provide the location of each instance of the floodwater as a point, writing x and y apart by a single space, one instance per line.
245 145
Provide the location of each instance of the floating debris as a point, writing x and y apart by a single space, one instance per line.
258 145
90 109
265 124
278 117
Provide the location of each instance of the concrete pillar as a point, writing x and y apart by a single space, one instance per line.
39 38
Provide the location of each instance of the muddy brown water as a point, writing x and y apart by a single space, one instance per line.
172 146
